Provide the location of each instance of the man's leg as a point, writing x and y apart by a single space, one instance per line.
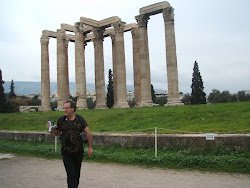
78 164
69 165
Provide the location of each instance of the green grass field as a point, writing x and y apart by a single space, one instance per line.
219 159
222 118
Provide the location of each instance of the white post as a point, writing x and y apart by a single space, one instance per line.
155 142
55 143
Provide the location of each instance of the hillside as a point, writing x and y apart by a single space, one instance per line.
222 118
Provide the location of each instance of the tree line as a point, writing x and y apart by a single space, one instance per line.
198 96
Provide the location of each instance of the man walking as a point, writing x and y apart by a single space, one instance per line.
71 126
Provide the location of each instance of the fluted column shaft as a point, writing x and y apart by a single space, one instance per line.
80 74
120 68
45 78
112 35
62 70
136 67
146 99
99 69
172 71
67 64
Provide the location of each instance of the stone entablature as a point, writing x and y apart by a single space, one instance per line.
89 30
154 9
102 23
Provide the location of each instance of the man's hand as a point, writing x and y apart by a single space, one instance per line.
89 138
48 125
90 151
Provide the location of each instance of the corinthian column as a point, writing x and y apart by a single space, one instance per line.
62 70
136 67
99 69
80 68
45 79
146 99
120 69
172 72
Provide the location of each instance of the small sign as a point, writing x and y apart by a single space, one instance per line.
209 136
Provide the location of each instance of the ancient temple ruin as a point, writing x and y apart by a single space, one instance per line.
89 30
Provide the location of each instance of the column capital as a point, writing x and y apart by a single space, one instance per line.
44 40
134 32
142 20
168 14
79 27
119 26
98 33
60 34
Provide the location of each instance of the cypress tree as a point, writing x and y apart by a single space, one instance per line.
197 95
110 94
12 94
2 95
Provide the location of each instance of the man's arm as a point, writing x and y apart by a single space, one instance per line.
89 138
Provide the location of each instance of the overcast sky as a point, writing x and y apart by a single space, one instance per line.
215 33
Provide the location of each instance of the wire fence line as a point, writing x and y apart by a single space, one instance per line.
179 131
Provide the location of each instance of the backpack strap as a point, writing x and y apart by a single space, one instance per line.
80 119
83 136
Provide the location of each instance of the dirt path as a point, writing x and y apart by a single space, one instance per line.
28 172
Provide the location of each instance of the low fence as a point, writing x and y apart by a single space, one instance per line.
144 140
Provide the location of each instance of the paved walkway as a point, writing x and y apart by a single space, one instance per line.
29 172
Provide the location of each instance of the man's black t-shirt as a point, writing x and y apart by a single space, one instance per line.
70 134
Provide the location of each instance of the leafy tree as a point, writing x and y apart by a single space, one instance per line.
225 96
161 100
214 97
35 101
197 96
110 94
90 103
2 95
242 96
234 98
221 97
186 99
12 94
153 93
53 105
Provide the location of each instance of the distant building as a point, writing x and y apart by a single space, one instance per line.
91 94
130 96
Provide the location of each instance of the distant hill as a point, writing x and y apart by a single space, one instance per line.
25 88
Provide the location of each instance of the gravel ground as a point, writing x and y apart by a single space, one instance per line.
29 172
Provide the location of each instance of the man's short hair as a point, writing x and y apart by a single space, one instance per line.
72 104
